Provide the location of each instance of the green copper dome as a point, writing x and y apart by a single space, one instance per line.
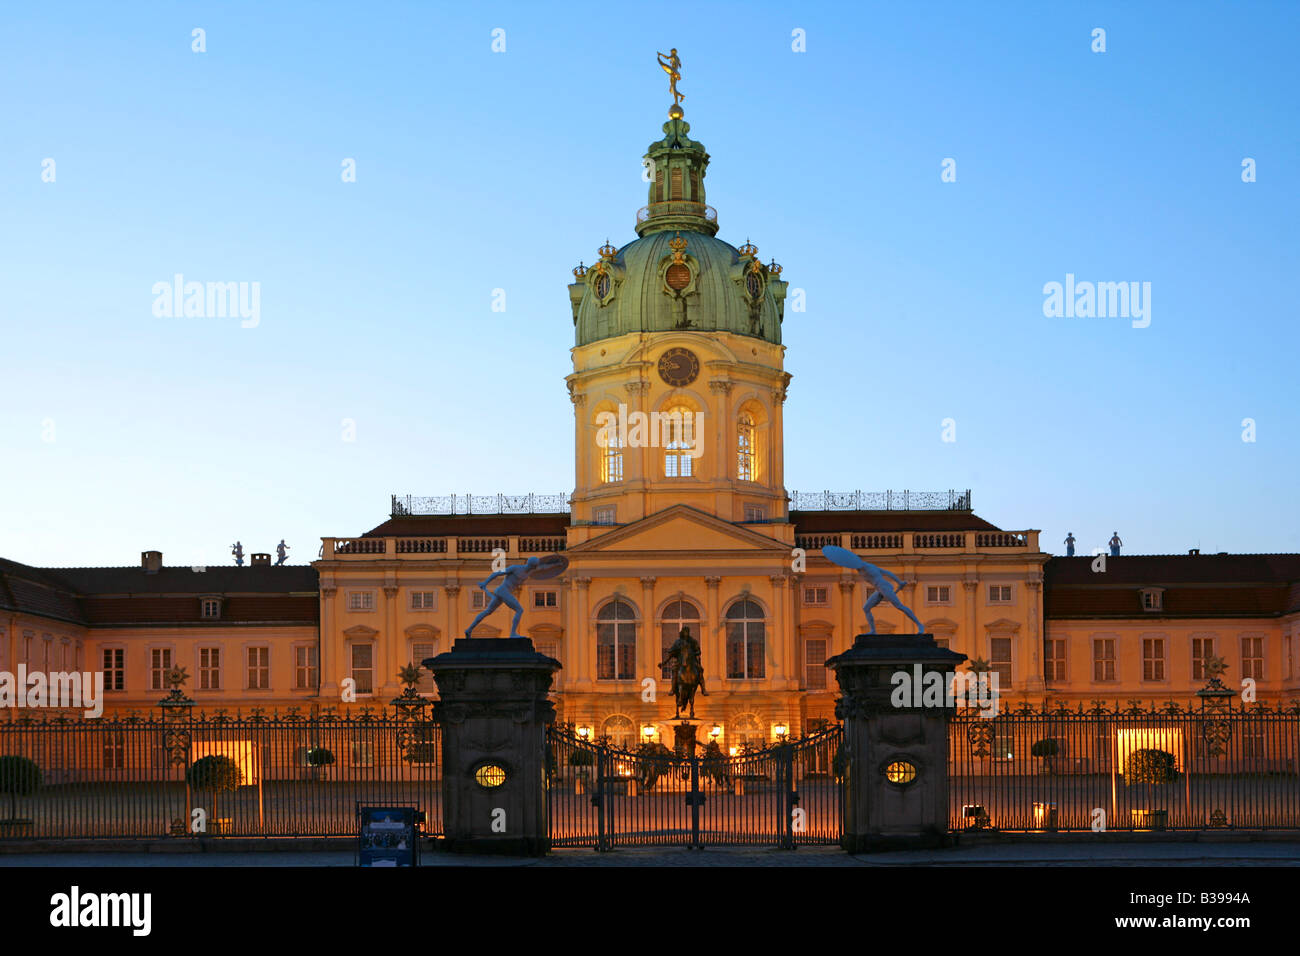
677 275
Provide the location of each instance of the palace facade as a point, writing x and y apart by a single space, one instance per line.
679 517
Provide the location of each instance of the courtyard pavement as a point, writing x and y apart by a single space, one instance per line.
1249 854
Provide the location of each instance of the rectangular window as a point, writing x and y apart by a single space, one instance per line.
305 667
604 515
160 662
259 668
814 596
209 668
942 642
363 751
477 599
1004 747
755 513
999 593
938 594
421 652
1202 651
361 600
1153 658
424 600
1000 660
546 599
1252 741
1252 657
363 667
114 750
115 668
211 608
1054 659
1103 658
1151 599
814 663
611 459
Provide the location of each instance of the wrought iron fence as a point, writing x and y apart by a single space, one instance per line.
880 500
605 797
1214 764
403 505
143 777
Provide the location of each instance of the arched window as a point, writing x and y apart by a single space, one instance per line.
677 615
746 631
746 452
747 733
680 438
619 731
616 641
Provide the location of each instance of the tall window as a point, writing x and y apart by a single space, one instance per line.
611 458
1103 658
1252 657
746 637
209 668
616 641
678 432
259 668
422 651
305 667
114 750
746 458
1202 651
814 663
1000 660
747 732
160 662
677 615
619 731
363 668
1054 658
114 668
1153 658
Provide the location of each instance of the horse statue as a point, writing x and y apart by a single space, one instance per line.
688 672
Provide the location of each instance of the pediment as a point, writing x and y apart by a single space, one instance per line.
679 528
359 632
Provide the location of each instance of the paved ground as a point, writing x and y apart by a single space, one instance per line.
1015 854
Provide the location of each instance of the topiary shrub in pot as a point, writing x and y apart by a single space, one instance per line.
214 774
1150 768
19 777
1046 749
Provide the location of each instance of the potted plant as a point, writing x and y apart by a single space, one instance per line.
1046 749
317 759
1150 768
656 761
19 777
215 774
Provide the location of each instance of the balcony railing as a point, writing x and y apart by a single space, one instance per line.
880 500
448 546
916 542
404 505
677 207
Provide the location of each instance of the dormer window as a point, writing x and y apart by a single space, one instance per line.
1153 599
210 608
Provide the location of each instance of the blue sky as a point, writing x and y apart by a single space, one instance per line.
479 170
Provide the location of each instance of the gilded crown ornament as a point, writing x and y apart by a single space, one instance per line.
607 251
774 268
580 271
678 245
748 250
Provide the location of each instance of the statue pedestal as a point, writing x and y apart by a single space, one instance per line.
494 711
895 740
684 735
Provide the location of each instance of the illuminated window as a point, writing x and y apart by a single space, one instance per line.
901 772
746 641
680 441
1252 657
616 641
1153 658
619 731
611 457
677 615
490 776
745 452
747 732
1103 659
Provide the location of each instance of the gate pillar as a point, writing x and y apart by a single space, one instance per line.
494 710
895 751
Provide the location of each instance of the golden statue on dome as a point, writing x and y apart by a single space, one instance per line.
672 65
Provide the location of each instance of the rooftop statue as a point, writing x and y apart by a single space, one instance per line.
883 581
237 549
672 65
515 575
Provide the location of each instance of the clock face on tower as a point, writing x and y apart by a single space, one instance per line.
679 367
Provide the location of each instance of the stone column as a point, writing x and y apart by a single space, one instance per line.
712 638
328 679
390 649
494 711
894 705
452 591
582 636
1032 675
649 653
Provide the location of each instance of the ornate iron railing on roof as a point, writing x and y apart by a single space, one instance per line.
880 500
404 505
